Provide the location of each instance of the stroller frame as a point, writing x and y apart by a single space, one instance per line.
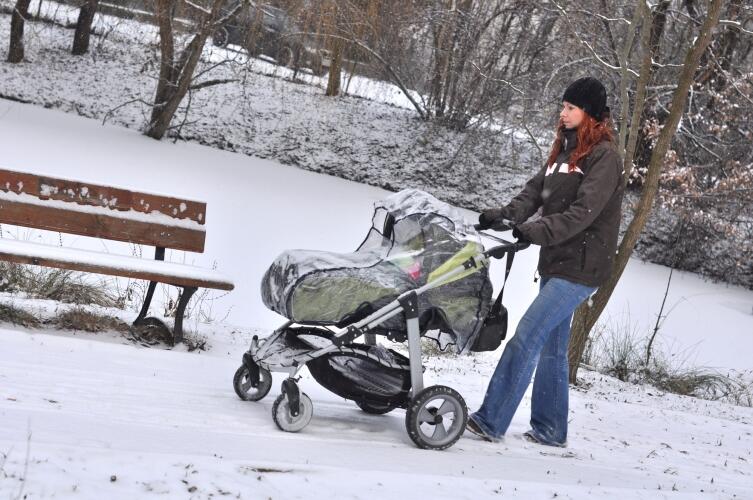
293 409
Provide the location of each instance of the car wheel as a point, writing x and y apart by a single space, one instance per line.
220 37
285 56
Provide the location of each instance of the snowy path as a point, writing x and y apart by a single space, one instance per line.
167 422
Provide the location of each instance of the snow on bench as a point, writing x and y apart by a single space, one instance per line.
26 252
111 213
101 211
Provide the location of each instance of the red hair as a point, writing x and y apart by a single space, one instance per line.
590 133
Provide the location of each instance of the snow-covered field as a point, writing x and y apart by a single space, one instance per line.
95 416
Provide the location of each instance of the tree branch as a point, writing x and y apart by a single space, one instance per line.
396 78
197 7
588 45
498 80
211 83
737 25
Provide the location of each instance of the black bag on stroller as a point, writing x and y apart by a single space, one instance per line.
494 329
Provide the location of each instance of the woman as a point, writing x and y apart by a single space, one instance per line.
579 192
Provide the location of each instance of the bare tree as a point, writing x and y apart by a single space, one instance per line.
587 315
332 20
17 21
177 73
84 27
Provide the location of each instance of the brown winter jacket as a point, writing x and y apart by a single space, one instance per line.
580 213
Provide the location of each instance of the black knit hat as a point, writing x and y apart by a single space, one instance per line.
588 94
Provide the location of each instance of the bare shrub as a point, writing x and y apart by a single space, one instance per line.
16 316
620 352
81 319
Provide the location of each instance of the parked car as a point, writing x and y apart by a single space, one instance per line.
264 29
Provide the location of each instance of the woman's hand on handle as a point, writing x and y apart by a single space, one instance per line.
493 219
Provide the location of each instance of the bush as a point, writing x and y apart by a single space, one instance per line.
620 351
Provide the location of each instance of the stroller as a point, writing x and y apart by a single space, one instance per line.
421 272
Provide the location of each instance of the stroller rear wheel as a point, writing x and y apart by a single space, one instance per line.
436 418
283 418
248 389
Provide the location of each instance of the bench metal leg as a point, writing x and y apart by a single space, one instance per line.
159 254
185 296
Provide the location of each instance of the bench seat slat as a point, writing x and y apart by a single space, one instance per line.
24 252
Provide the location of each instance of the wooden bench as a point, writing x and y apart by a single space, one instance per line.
110 213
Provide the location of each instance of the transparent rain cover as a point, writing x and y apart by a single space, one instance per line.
414 239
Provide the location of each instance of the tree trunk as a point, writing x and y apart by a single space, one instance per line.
163 11
84 27
586 316
335 68
641 13
176 75
17 20
441 47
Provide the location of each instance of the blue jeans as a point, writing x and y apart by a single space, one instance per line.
540 342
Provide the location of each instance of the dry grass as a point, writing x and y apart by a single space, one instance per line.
83 320
620 351
54 284
195 342
16 316
695 382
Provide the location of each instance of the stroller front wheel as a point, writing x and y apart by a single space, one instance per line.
436 417
283 418
248 389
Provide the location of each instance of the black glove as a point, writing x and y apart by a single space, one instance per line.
487 217
522 242
493 219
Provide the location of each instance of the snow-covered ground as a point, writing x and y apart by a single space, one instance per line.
83 418
95 416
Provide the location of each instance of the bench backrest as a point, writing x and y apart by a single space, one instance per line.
111 213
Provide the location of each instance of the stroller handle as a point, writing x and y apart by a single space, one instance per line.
506 246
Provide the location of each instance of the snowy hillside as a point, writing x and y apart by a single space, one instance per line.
377 141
